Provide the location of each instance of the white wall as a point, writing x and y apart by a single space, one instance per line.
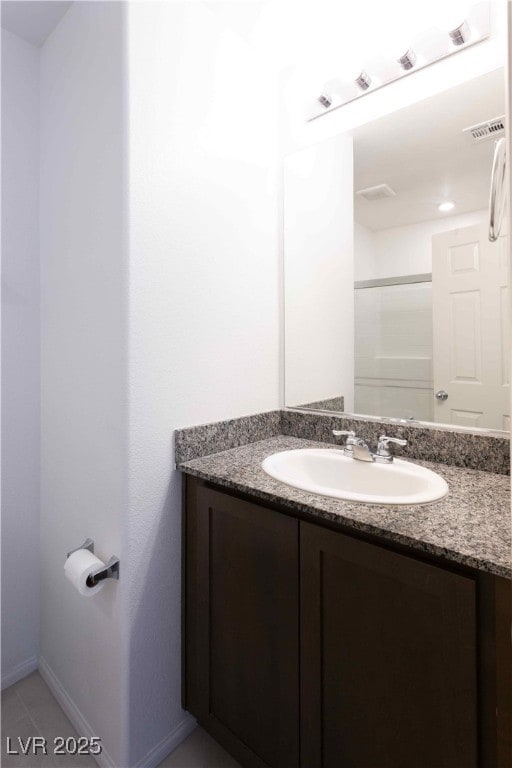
204 335
319 273
171 323
364 251
20 358
84 356
403 250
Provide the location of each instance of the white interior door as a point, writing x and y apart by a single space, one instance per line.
470 300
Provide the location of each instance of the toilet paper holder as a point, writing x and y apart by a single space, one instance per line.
109 571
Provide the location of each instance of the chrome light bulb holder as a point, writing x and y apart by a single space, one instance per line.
325 100
408 60
363 81
461 34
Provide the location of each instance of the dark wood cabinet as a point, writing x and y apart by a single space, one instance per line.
307 647
241 661
388 658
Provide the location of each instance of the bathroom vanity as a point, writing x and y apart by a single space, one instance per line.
321 633
327 633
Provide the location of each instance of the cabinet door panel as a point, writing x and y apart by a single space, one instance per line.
388 658
242 636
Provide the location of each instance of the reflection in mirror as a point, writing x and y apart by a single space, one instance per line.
396 303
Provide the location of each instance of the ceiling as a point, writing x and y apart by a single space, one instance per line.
422 154
32 20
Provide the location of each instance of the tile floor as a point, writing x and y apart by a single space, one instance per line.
29 709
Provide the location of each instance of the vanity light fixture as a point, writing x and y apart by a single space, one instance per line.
447 205
457 29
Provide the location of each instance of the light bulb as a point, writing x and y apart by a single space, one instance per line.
404 56
363 81
325 100
451 18
448 205
461 34
397 49
361 78
408 59
336 91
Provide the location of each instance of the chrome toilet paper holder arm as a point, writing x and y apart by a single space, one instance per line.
109 571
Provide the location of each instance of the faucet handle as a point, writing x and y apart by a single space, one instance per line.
351 438
383 444
341 432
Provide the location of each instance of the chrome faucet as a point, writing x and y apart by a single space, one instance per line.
357 448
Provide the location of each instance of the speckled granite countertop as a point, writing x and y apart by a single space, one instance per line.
470 526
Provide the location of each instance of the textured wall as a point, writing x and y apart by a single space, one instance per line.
84 355
203 299
20 357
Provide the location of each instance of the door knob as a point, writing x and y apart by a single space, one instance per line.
441 395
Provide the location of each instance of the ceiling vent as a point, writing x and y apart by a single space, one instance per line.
376 193
490 129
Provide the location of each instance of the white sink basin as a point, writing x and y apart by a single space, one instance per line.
330 473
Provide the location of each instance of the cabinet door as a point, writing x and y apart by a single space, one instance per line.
242 628
388 658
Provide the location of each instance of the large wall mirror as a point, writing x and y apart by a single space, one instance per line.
396 302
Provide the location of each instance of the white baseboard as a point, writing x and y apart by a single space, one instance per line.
104 760
19 672
152 759
155 756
